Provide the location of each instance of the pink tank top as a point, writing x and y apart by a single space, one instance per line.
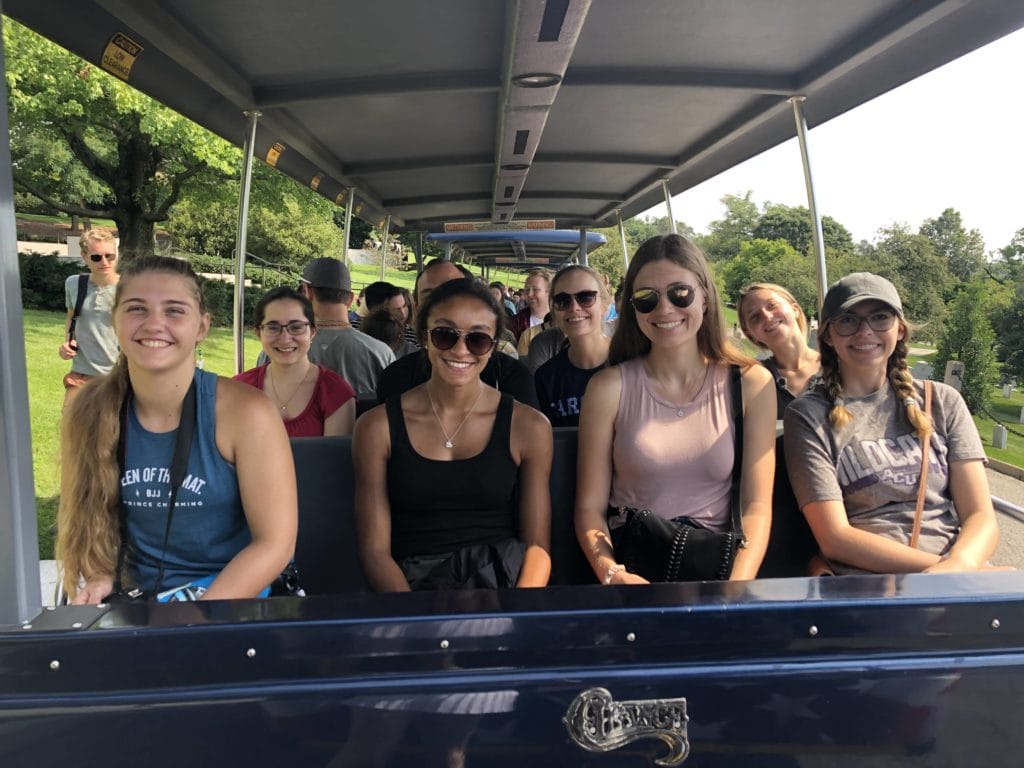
673 459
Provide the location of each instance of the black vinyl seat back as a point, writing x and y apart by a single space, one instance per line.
327 552
568 565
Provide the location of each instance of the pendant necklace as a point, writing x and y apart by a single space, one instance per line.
273 387
449 438
681 410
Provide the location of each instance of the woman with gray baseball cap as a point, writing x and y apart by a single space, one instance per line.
854 448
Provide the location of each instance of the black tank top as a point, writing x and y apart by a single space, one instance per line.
439 506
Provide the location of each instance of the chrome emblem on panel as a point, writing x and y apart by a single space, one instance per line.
598 723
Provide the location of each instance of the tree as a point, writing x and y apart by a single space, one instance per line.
770 261
970 339
919 274
138 155
963 251
726 235
793 224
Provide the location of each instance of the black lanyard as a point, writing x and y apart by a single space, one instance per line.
179 466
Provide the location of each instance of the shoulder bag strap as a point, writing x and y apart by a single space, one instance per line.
83 288
179 467
736 393
922 483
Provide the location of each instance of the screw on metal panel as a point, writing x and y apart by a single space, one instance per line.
813 631
995 623
631 637
251 653
444 644
54 665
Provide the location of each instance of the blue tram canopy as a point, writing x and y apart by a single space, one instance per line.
520 248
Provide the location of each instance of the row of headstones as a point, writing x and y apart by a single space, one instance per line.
954 377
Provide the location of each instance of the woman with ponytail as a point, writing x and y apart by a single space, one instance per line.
853 448
234 514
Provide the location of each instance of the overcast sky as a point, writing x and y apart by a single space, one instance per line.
953 138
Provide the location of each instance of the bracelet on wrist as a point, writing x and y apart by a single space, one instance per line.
612 570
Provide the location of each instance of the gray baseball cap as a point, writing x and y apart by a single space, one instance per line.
855 288
327 273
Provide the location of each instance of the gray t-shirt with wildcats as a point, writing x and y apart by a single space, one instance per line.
873 463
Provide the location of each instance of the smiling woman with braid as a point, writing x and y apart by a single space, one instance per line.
853 448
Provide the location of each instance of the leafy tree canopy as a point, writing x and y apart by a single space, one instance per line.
770 261
793 224
963 251
969 338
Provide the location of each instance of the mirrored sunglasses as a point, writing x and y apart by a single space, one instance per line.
645 300
477 342
563 301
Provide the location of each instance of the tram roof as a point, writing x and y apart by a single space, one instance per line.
525 248
426 109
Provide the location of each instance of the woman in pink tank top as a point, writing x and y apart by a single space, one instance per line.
657 429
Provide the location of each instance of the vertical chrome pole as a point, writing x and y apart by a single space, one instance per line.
350 203
419 252
448 250
583 258
816 232
622 240
384 245
20 596
238 319
668 206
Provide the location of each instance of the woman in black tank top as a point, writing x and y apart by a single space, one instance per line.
452 476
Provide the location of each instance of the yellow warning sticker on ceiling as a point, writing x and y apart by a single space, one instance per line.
119 56
274 153
314 183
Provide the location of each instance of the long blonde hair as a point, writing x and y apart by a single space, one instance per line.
90 485
782 293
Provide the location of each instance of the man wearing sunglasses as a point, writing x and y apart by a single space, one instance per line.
89 340
502 372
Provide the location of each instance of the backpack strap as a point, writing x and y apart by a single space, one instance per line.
83 288
736 395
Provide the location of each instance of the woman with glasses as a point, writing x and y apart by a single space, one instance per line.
312 400
452 476
771 317
853 448
657 429
579 301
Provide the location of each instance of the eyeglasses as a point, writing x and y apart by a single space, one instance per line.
273 330
97 256
563 301
477 342
645 300
849 324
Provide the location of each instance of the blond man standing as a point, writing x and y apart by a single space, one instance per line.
90 343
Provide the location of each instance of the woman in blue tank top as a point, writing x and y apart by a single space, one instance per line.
452 476
235 513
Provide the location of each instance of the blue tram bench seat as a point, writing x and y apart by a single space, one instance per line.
327 553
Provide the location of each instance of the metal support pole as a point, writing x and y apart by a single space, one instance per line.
668 206
20 596
384 245
448 250
419 252
350 203
816 232
583 258
622 239
238 318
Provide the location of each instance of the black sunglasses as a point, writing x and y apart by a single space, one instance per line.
108 256
563 301
477 342
645 300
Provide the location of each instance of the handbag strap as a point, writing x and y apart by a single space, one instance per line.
736 394
83 289
179 467
922 483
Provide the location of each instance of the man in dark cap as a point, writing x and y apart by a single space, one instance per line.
355 356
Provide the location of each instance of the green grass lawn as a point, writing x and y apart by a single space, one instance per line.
109 223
